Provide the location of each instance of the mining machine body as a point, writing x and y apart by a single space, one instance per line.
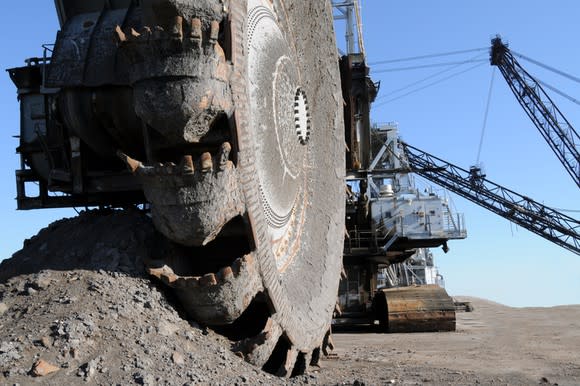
388 223
224 120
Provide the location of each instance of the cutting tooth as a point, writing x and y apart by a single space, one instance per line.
177 28
258 349
208 280
164 274
120 35
206 163
214 32
196 34
131 163
134 35
301 364
186 165
287 366
225 150
237 267
248 259
225 273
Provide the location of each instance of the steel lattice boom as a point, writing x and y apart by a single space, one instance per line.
535 217
554 127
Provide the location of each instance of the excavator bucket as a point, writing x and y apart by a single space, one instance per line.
426 308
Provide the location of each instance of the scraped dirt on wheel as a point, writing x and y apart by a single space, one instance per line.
77 308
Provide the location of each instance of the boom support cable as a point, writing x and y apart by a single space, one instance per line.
437 55
561 93
432 76
485 117
550 68
428 85
422 66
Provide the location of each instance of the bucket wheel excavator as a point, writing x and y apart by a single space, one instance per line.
225 118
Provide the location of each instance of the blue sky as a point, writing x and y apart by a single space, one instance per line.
498 261
24 27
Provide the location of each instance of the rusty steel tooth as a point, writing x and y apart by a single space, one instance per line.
208 280
248 259
225 150
258 349
206 163
225 273
196 34
186 165
214 32
164 274
237 267
131 163
120 35
134 34
177 28
286 368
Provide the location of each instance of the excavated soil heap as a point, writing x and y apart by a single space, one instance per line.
77 307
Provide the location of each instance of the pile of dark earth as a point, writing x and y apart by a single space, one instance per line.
76 307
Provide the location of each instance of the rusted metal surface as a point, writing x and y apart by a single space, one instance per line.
425 308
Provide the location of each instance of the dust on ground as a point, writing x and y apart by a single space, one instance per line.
77 308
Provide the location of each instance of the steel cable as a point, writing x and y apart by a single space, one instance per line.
485 117
428 56
428 85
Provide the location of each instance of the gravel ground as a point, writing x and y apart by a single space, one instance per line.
96 318
77 308
493 345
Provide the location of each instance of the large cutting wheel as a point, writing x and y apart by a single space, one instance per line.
262 215
290 151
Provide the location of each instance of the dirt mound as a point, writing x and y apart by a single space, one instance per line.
116 241
76 306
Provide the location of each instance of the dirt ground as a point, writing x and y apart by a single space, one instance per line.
494 344
83 312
